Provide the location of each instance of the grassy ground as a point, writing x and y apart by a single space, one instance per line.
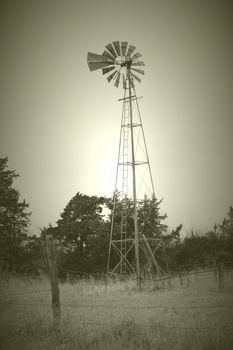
187 314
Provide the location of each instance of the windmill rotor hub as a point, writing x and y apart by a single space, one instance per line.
123 61
128 63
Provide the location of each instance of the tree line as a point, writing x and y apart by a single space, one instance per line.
82 234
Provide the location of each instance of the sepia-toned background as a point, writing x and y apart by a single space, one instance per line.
60 123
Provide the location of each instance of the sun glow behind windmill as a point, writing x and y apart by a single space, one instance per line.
122 65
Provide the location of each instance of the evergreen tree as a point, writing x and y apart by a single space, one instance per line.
14 221
227 225
150 221
225 231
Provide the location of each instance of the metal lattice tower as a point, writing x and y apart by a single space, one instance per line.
134 193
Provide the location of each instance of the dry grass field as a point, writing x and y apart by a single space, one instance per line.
193 314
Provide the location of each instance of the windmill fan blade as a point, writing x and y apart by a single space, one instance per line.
123 47
140 63
97 65
116 45
138 79
117 79
108 55
111 76
93 57
136 55
110 48
106 70
132 83
130 50
138 70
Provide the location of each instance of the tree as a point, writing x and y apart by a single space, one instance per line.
172 243
225 231
207 249
81 233
150 220
227 225
150 225
14 221
35 260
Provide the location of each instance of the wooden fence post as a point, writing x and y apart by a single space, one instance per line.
181 280
68 278
53 280
221 275
187 281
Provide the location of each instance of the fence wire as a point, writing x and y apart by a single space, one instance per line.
159 326
121 307
124 307
24 293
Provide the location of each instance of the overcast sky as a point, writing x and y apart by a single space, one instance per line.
60 122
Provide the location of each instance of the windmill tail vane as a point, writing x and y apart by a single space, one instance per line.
120 61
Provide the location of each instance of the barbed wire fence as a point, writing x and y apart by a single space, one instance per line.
219 273
79 306
56 306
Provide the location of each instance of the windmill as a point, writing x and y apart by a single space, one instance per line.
133 242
